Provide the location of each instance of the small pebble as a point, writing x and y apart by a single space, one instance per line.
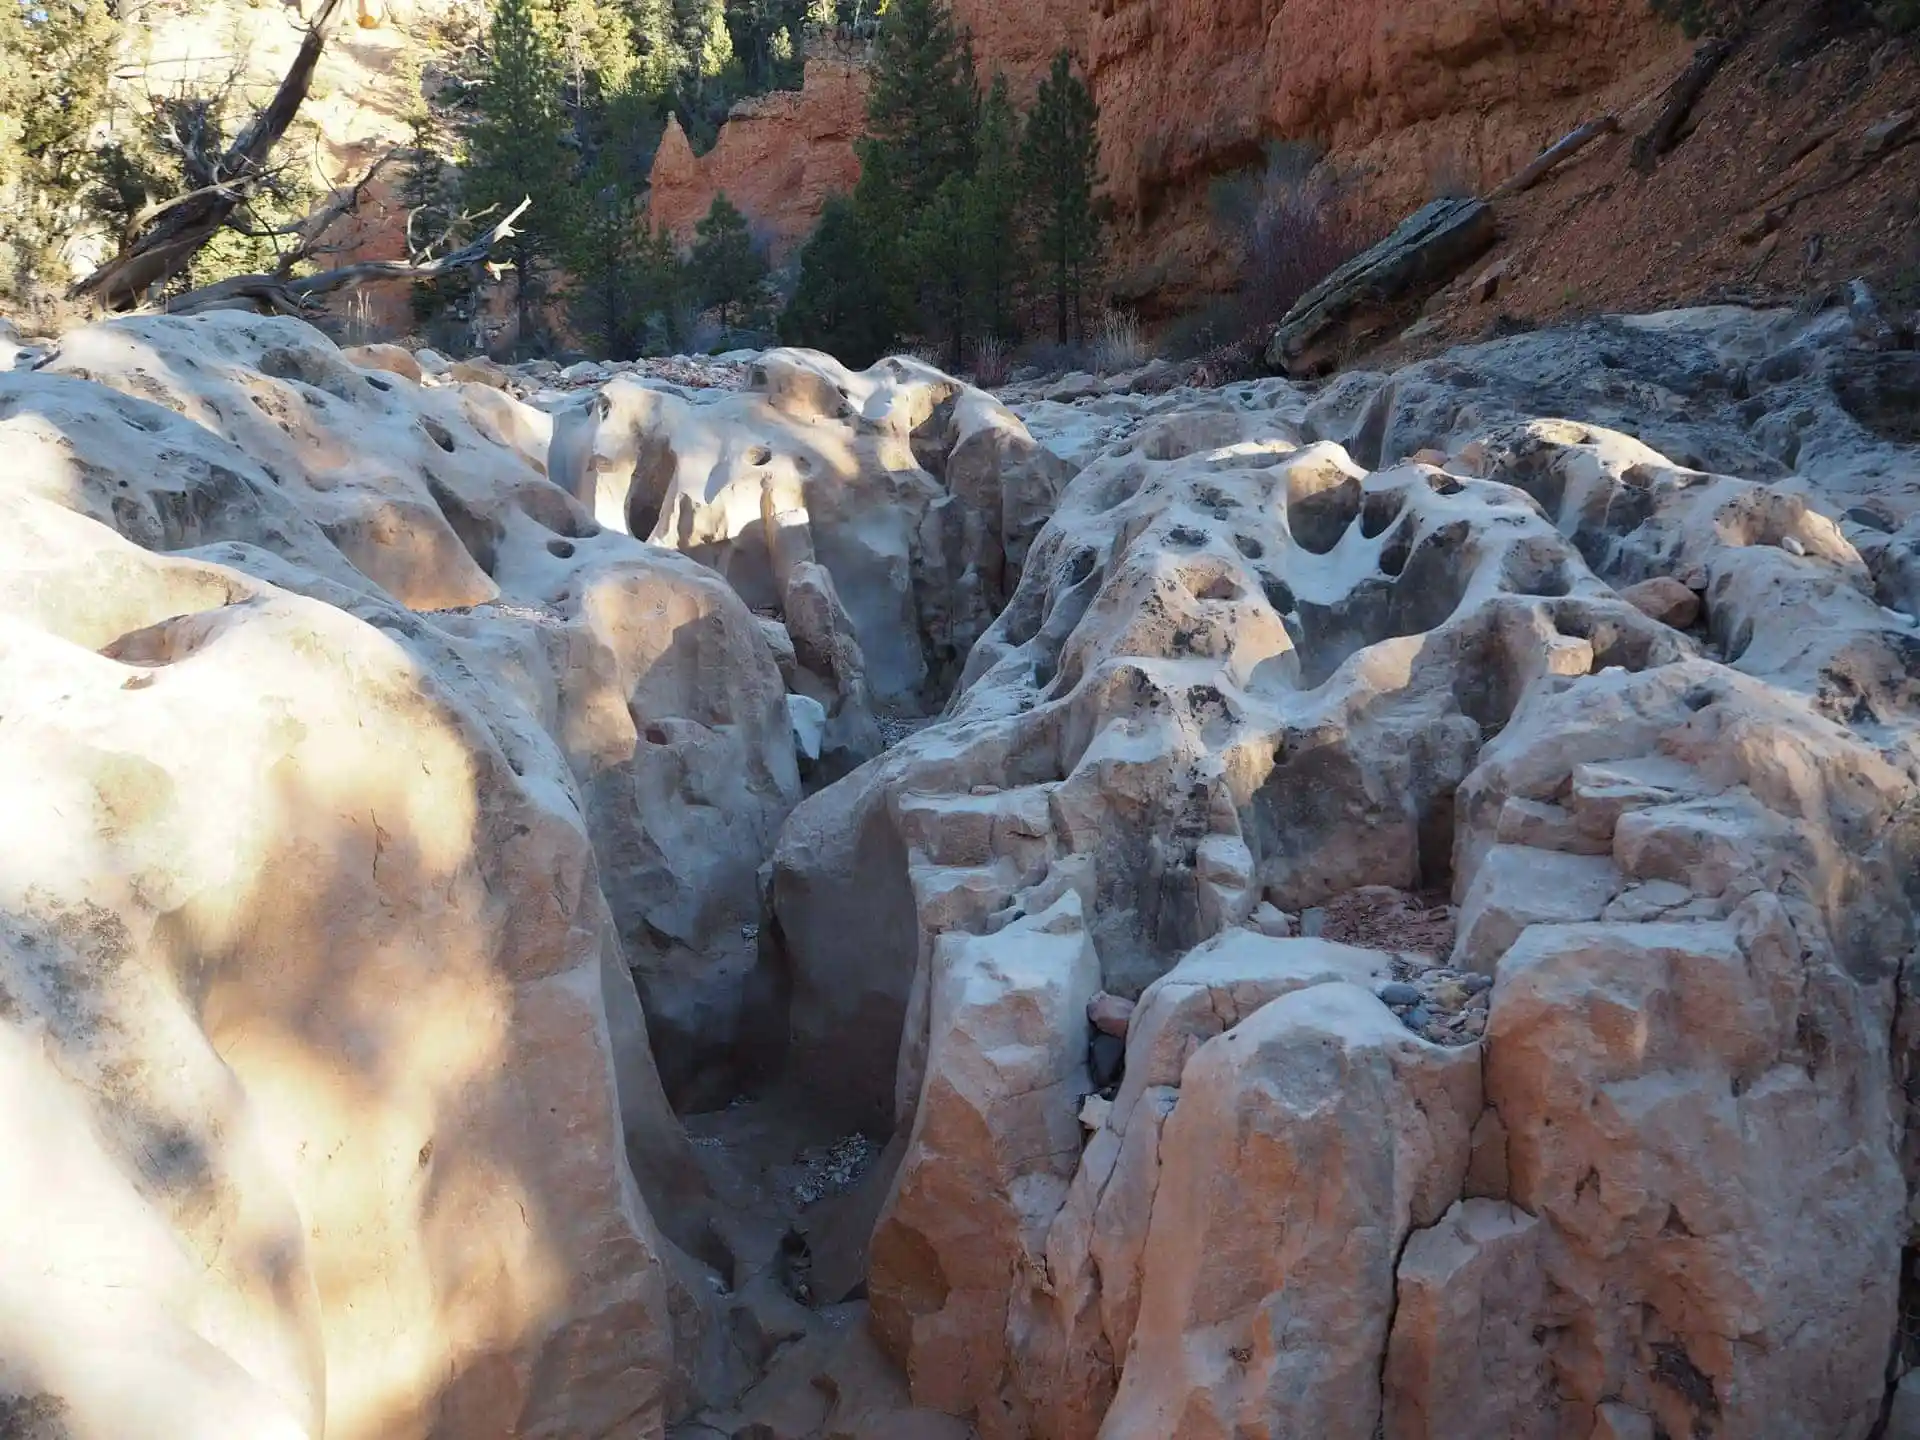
1398 994
1418 1018
1475 983
1791 544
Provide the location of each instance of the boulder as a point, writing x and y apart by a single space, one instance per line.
1665 600
479 370
1308 1141
394 359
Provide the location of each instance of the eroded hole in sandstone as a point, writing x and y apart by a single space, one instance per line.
1319 519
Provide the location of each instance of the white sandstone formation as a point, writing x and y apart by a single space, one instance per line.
1242 674
331 1105
649 674
918 495
402 831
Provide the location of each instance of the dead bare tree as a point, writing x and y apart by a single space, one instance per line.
283 294
165 236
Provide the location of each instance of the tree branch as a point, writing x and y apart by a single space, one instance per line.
182 228
281 295
1558 154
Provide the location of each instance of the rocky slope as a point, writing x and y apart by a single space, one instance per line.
830 904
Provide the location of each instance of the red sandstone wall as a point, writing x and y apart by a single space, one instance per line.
778 158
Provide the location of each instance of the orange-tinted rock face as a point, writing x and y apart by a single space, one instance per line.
1021 37
1414 95
778 158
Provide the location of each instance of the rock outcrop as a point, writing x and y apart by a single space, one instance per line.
778 157
315 1013
408 820
1242 673
651 675
895 503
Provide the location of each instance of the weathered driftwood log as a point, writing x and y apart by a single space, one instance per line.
1557 154
1428 248
1682 96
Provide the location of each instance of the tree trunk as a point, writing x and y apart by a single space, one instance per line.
178 231
1681 98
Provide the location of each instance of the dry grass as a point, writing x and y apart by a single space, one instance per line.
990 362
1117 345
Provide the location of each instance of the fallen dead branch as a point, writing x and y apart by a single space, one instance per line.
1670 125
1557 154
280 294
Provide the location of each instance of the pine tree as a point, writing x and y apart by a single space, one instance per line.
625 277
945 262
656 40
923 100
842 304
518 144
727 270
56 62
1059 158
993 214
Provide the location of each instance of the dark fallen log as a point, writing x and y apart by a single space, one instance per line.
1557 154
294 295
177 229
1425 250
1670 127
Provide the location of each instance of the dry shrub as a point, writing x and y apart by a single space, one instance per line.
1117 345
1294 223
991 362
1302 232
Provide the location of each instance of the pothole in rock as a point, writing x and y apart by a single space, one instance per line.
1431 998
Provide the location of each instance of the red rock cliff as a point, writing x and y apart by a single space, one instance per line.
1410 95
1021 37
778 158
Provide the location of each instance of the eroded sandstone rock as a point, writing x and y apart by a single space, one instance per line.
311 946
1235 665
919 496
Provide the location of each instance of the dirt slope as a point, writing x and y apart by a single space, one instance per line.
1779 193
